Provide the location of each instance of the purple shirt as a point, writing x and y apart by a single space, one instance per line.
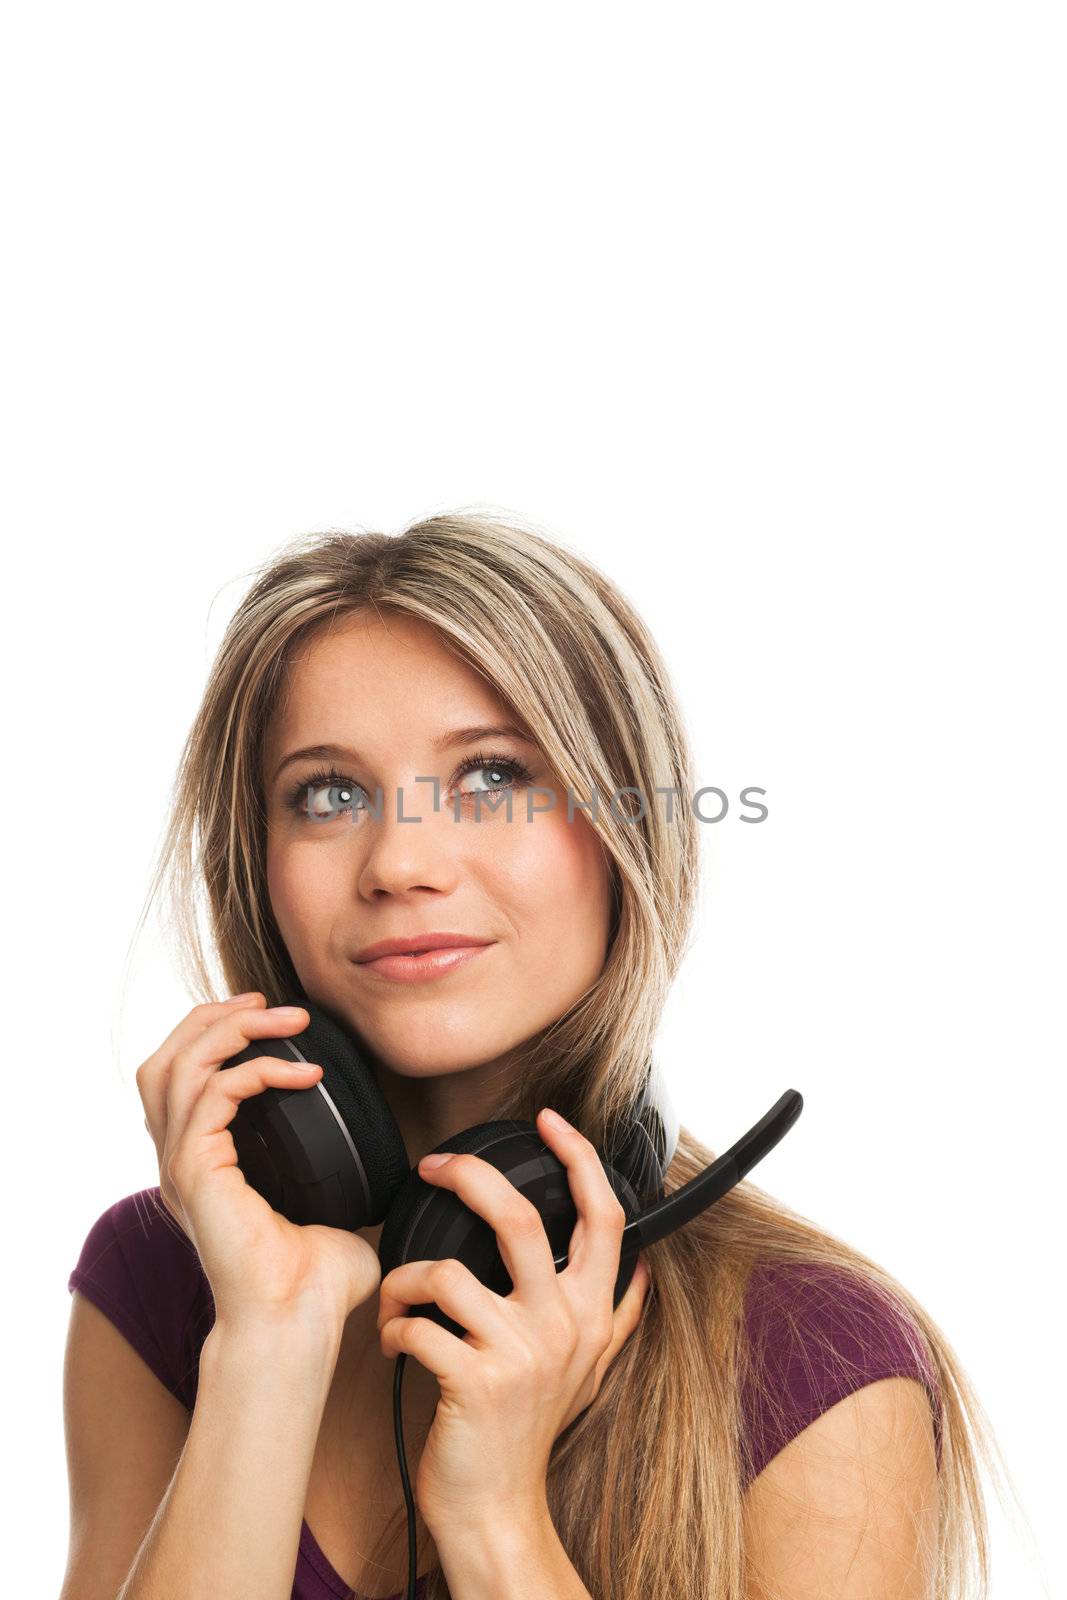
143 1273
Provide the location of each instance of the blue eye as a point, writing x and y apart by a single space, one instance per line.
327 788
315 785
513 771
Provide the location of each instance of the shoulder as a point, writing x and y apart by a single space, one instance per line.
814 1335
138 1232
843 1417
139 1267
850 1506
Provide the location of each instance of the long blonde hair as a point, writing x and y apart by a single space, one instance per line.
566 650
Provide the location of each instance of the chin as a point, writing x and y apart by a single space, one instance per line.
429 1047
430 1062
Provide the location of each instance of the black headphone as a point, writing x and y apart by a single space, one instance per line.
333 1154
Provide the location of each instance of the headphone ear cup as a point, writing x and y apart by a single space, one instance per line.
353 1089
649 1140
332 1153
426 1223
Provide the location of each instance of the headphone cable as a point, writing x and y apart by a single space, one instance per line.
409 1499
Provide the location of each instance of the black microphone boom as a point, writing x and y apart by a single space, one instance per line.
702 1191
693 1197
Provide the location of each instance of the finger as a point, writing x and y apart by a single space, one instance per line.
439 1351
516 1221
597 1238
217 1106
452 1286
194 1066
206 1144
151 1075
626 1317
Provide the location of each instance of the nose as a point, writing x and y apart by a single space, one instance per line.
409 848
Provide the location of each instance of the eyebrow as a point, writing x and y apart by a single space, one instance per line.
445 741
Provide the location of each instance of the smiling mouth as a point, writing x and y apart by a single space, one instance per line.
418 965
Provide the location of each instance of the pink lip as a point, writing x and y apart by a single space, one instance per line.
427 964
404 944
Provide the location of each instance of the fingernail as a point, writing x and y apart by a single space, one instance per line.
428 1163
249 995
286 1013
553 1119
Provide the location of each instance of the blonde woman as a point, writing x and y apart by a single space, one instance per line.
766 1414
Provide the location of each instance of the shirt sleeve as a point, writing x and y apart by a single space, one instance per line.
816 1334
140 1269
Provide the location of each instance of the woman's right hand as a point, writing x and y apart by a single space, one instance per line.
257 1262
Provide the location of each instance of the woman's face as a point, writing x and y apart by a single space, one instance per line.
395 701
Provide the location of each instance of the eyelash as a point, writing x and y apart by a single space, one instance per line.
328 777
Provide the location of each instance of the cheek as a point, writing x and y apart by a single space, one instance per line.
560 889
279 875
297 897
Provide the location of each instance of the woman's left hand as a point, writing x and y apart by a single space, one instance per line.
529 1363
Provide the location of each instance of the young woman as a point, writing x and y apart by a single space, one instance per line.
766 1413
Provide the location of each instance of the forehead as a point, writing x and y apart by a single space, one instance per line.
371 678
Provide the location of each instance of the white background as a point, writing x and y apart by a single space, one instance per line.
760 307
